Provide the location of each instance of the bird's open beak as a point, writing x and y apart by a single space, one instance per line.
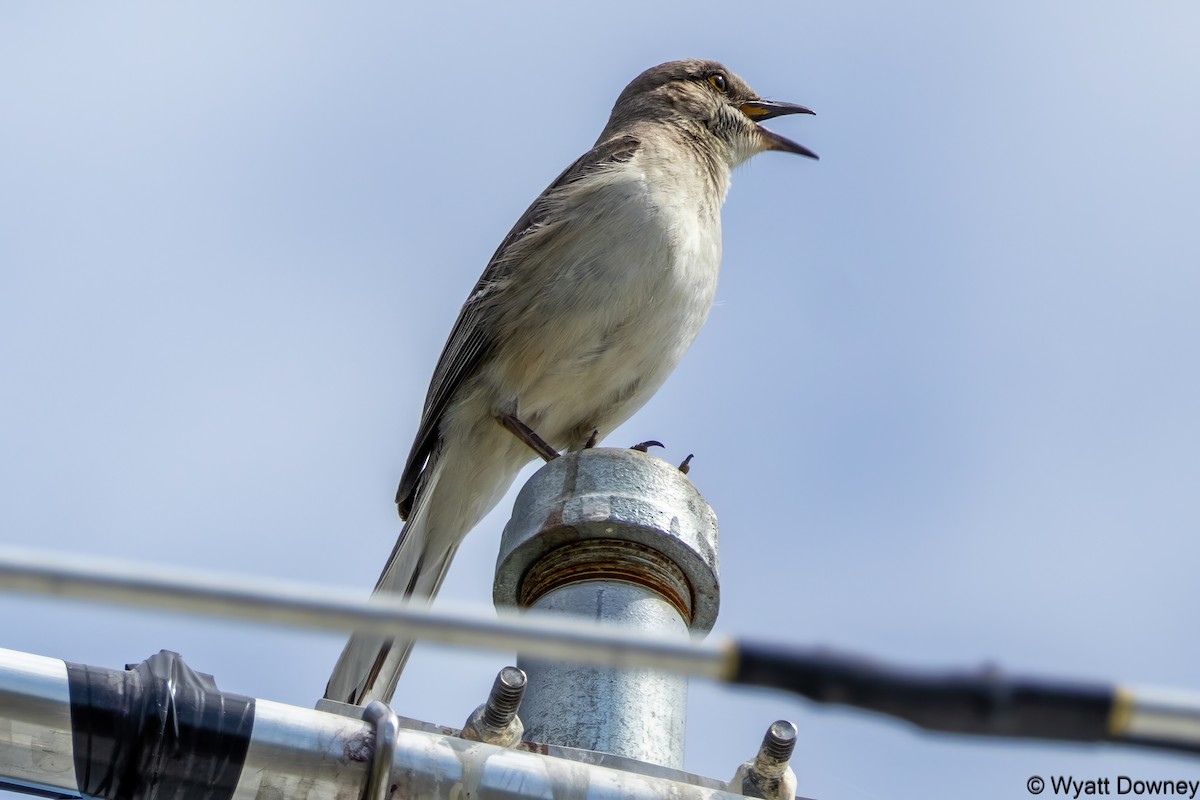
759 110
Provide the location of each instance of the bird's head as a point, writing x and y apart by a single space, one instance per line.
706 96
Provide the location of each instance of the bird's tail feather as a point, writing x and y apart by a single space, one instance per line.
460 484
370 664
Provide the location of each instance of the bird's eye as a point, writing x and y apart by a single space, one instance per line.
718 82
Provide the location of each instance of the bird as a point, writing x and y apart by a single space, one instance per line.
583 311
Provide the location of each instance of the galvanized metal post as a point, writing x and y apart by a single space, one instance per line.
616 536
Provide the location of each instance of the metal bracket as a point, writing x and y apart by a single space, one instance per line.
387 728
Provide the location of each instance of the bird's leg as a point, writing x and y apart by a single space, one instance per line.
686 466
591 440
642 447
527 435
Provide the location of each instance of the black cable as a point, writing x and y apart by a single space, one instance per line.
980 702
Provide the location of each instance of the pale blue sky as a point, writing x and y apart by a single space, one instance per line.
945 408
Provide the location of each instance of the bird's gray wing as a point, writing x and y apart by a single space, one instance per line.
470 340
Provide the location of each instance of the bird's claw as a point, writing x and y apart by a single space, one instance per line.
591 440
642 447
686 466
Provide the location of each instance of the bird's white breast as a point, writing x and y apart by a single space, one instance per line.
626 284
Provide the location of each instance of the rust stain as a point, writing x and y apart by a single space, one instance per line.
535 747
608 560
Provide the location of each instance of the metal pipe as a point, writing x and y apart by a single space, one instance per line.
635 713
620 537
287 752
35 741
982 702
160 588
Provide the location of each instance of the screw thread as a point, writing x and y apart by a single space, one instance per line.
505 697
780 742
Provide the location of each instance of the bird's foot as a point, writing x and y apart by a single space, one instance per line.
527 435
642 447
591 440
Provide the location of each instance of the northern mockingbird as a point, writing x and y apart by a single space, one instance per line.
583 311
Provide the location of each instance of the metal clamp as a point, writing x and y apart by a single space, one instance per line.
387 729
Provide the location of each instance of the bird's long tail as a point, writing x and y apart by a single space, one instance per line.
461 483
370 664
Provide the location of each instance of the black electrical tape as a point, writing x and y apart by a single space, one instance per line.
983 702
156 730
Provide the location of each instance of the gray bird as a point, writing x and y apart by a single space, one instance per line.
585 308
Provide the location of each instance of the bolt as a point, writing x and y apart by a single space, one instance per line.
778 744
505 697
768 775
